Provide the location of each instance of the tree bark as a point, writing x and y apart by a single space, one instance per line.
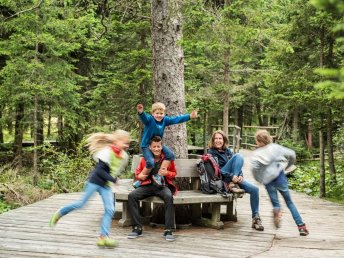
18 135
168 69
322 192
226 91
1 127
331 165
295 133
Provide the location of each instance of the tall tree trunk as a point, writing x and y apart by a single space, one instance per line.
49 122
226 91
1 127
60 129
35 141
168 68
18 135
331 165
322 192
309 134
296 120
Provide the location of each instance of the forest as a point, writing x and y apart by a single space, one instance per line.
72 67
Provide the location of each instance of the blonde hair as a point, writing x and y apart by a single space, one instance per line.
158 106
211 144
263 136
97 141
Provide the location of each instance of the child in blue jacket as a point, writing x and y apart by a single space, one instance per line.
154 125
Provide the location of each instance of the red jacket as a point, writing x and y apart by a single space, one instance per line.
171 174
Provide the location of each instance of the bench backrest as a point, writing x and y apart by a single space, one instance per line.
185 167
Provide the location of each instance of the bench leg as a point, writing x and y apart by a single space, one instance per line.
125 220
214 221
231 214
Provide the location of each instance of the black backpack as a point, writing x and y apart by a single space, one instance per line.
209 173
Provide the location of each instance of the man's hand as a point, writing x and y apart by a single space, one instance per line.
139 108
193 114
142 176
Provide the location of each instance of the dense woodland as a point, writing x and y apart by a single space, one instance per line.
72 67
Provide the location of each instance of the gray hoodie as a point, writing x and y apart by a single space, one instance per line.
267 162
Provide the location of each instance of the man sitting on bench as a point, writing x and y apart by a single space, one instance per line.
149 188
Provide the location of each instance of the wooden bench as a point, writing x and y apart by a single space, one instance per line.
200 203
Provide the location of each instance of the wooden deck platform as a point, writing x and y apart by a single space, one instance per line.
24 232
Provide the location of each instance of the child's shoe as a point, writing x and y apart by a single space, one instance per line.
105 241
54 219
159 180
277 217
257 224
303 230
137 184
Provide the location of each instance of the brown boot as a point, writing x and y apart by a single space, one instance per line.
235 188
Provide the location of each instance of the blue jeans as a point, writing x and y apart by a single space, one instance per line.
108 200
281 184
233 167
148 155
254 196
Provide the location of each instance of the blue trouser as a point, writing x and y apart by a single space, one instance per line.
108 200
234 168
281 184
148 155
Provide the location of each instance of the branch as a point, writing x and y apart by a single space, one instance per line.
27 10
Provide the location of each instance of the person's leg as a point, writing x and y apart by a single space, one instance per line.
282 187
272 192
89 189
254 196
109 209
133 207
254 202
148 156
166 195
233 167
168 157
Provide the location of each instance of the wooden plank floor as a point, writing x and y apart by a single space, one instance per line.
24 232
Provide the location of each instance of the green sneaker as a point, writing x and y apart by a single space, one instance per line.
54 219
106 242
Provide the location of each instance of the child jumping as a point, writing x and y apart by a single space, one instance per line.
108 152
154 125
269 161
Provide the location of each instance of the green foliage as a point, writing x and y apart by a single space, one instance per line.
338 139
306 179
66 172
299 147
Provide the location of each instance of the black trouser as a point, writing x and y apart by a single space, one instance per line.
151 190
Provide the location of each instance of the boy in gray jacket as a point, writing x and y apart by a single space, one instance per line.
269 161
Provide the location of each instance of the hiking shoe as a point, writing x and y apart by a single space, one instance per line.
137 184
168 235
257 223
235 188
303 230
54 219
159 180
277 217
137 232
105 241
